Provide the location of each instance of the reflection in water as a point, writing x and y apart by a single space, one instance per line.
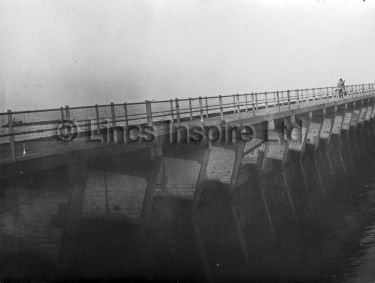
309 220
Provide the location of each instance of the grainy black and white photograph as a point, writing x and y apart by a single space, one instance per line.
187 140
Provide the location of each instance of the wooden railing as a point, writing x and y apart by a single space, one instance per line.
20 126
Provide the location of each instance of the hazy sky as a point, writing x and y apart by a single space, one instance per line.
82 52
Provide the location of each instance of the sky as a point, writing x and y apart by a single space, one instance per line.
85 52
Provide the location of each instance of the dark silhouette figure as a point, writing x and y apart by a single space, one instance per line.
341 88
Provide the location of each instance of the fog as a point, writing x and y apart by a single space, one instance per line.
82 52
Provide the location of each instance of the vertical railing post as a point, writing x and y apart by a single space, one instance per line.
62 113
113 116
288 93
281 98
191 109
274 99
111 133
148 112
246 102
256 101
252 101
337 95
201 108
67 117
314 96
97 119
238 103
126 136
297 96
327 90
266 99
126 114
11 135
172 112
206 101
234 104
67 112
278 100
178 112
221 108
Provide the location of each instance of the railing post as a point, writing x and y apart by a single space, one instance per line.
256 101
113 116
252 101
126 114
148 112
191 109
278 100
67 112
288 93
266 99
297 96
327 89
172 113
206 106
201 108
178 112
97 119
62 113
11 135
221 108
333 91
126 137
234 104
314 96
238 103
246 102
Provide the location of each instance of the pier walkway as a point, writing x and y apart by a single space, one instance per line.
28 135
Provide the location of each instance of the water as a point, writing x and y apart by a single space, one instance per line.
328 234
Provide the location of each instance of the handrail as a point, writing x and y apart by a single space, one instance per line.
173 110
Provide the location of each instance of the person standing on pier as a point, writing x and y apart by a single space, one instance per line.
341 88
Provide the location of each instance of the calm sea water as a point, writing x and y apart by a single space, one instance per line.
330 237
